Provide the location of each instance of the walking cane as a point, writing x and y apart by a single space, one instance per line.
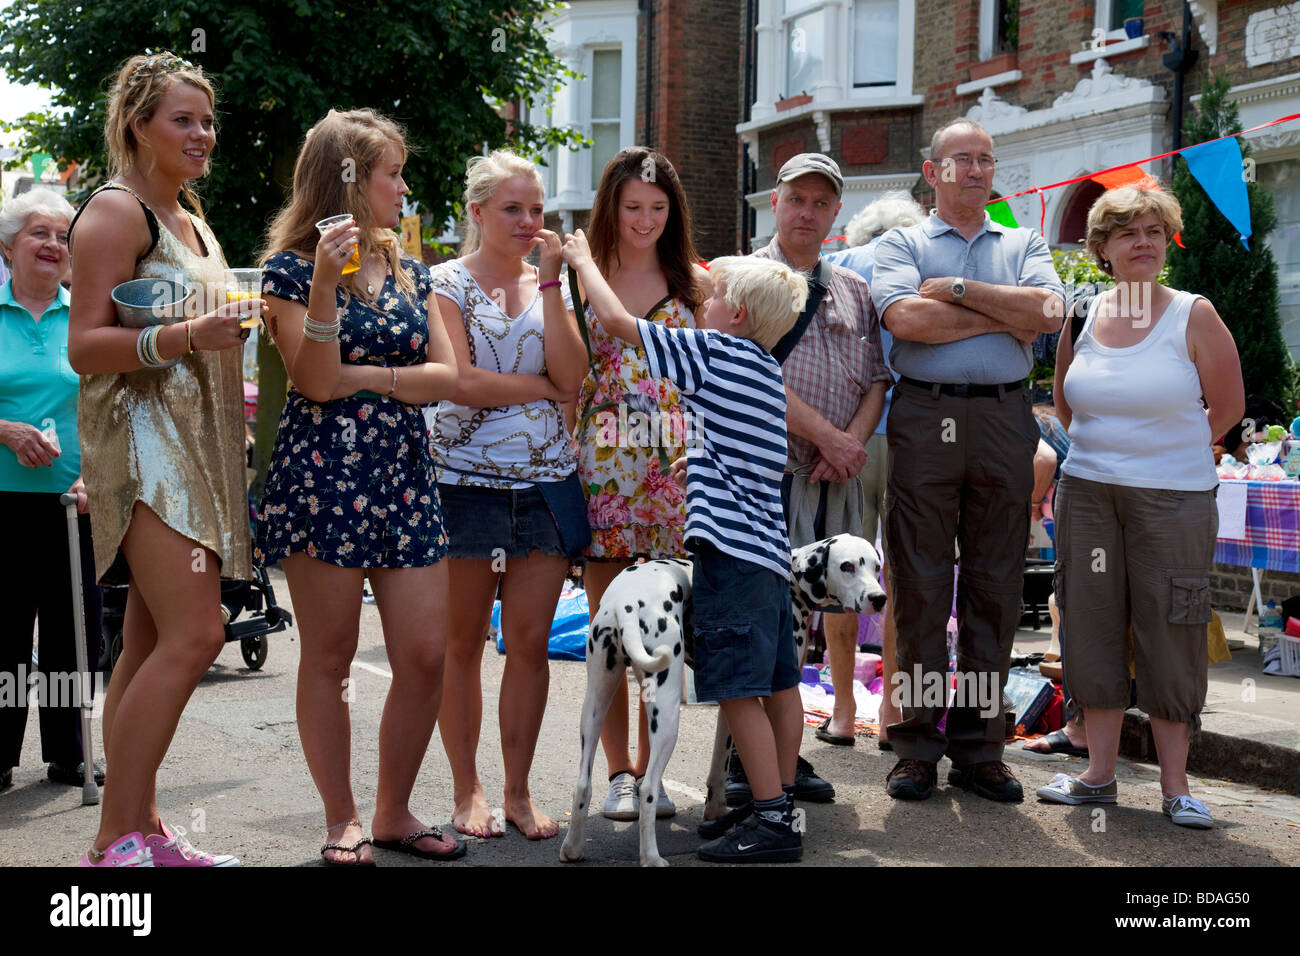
89 792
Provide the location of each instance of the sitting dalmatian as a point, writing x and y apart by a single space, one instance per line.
644 622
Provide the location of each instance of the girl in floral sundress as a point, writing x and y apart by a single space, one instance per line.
629 425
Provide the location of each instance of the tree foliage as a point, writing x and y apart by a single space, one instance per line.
1242 285
440 67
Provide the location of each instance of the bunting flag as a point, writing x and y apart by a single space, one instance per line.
1001 213
1133 175
1217 166
39 162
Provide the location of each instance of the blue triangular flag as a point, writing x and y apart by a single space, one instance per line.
1217 167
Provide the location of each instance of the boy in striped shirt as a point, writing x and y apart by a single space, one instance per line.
735 525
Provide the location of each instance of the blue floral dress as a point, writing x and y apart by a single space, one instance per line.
352 481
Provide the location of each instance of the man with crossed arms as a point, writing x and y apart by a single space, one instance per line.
964 297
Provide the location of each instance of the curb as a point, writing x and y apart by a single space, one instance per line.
1267 766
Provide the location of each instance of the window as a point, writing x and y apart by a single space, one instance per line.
606 99
805 45
875 43
999 27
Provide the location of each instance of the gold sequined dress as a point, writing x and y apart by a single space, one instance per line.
171 438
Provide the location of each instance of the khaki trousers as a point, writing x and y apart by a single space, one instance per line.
959 469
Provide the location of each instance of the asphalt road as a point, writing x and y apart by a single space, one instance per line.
236 778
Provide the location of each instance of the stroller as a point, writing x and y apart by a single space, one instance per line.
255 599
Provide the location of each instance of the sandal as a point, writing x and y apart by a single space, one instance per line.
407 845
823 733
1058 742
345 848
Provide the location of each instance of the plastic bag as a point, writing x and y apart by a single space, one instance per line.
569 627
1229 467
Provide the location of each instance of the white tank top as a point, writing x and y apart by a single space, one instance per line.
1137 414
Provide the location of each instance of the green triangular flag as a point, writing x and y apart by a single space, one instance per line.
1001 213
39 162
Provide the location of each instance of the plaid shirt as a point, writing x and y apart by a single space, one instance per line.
838 358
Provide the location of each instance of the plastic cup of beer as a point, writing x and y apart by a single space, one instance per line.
325 225
244 284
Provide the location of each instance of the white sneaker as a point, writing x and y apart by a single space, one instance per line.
664 806
620 802
1187 811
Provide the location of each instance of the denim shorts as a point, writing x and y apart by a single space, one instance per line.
744 627
487 523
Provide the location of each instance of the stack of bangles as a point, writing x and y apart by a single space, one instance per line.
146 347
321 331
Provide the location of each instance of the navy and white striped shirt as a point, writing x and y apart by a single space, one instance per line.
735 449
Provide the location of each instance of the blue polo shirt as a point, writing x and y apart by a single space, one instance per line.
862 260
907 256
38 386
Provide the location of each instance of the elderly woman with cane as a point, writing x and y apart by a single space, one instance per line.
40 458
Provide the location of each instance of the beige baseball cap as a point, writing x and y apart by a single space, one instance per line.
806 163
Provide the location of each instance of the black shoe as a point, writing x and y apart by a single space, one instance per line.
912 779
73 776
737 792
754 841
992 780
6 778
810 788
712 829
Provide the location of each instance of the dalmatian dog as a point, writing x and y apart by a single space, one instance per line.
645 622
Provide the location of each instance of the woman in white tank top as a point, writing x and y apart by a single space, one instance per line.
1152 377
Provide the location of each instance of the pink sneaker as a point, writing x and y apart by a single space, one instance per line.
172 849
130 850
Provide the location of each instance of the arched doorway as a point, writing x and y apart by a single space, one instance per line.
1074 220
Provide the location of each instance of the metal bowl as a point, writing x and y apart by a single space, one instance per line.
150 301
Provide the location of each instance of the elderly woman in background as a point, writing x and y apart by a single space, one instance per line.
1153 376
40 459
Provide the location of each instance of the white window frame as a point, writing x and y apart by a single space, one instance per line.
589 52
837 62
988 22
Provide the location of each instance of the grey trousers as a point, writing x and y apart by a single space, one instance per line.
959 469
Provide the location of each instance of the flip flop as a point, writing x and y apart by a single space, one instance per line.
823 734
346 848
1058 743
884 745
407 845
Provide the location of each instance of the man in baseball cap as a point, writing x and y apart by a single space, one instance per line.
806 163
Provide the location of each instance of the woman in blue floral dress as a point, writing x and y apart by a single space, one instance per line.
351 490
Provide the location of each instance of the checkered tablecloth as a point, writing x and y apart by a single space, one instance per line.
1272 529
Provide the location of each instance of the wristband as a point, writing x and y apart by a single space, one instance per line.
546 285
394 387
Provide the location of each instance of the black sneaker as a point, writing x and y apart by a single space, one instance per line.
712 829
911 780
810 788
754 841
992 780
72 776
737 792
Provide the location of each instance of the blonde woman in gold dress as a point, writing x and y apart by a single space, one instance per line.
162 446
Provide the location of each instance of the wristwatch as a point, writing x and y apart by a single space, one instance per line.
958 289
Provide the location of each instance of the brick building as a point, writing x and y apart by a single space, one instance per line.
659 73
1060 84
1063 87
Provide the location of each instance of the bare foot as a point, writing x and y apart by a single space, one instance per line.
393 829
531 822
473 817
346 834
